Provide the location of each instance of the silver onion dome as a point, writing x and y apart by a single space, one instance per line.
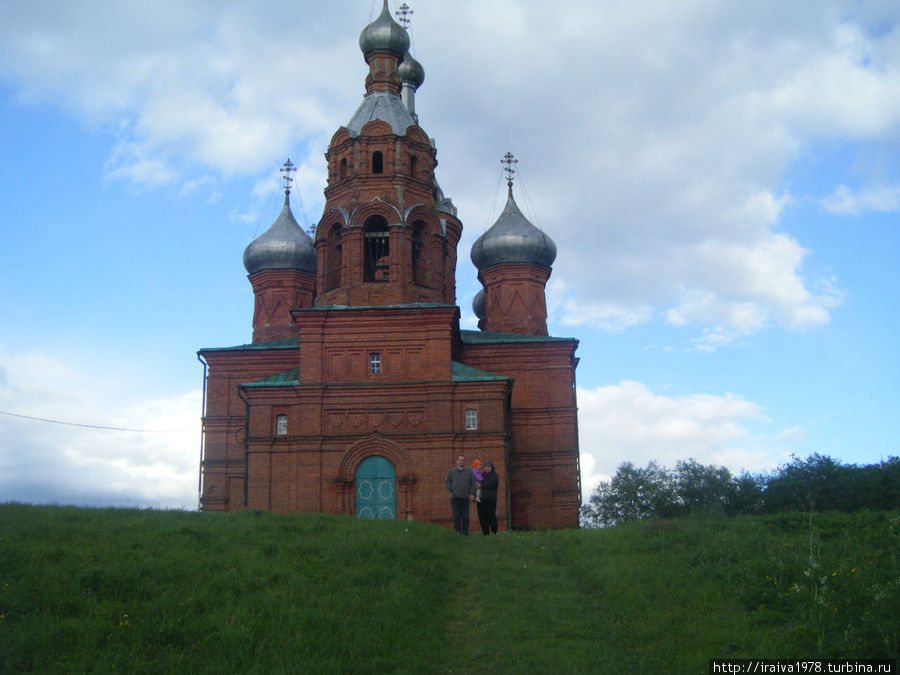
411 71
284 246
512 239
384 34
478 305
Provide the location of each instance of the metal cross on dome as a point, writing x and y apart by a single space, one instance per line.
286 171
510 161
403 15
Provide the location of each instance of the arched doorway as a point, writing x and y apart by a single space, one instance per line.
376 489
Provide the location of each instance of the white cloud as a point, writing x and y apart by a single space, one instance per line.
847 202
628 422
229 88
661 145
133 162
790 435
49 462
654 136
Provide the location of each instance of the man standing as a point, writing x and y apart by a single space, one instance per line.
461 483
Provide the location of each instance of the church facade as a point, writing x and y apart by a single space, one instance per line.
359 388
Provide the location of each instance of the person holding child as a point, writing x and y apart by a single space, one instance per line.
478 475
487 503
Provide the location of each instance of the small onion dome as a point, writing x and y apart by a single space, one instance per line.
411 71
384 34
284 246
512 239
478 305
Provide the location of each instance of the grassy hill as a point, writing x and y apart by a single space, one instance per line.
110 590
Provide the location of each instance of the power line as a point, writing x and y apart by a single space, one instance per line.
97 426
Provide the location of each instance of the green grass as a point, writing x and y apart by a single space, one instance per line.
108 590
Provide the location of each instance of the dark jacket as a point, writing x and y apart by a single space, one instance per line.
489 486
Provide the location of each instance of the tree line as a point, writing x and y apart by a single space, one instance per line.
816 483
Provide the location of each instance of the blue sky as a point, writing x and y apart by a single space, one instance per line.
721 180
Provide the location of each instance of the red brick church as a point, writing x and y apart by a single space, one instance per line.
359 388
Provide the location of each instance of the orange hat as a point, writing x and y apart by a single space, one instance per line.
476 463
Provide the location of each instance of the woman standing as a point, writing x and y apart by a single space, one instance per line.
487 507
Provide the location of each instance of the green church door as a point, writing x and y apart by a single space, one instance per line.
376 489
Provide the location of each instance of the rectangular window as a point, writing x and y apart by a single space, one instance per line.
280 425
374 363
471 419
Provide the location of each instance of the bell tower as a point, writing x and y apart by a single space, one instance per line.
386 236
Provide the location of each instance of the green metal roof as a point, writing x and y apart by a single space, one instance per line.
477 337
460 372
289 343
289 378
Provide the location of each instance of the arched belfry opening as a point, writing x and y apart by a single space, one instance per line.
418 253
334 257
376 249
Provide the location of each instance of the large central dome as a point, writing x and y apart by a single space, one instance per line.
384 34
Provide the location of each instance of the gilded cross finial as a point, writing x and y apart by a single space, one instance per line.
286 171
510 161
403 15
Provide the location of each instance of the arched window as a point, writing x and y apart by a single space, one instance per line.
343 173
377 162
418 243
333 258
412 165
376 249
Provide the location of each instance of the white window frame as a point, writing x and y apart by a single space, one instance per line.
375 363
471 419
281 425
